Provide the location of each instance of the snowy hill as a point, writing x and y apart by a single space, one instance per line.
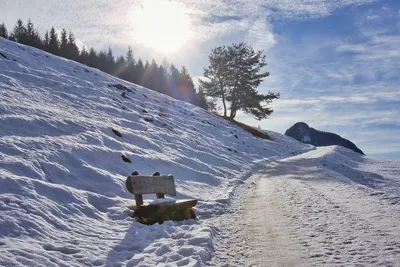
63 200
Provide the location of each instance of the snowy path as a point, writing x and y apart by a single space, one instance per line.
306 211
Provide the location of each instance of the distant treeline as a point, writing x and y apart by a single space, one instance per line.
165 78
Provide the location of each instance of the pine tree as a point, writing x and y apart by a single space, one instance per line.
128 72
165 77
234 75
3 31
150 75
120 66
46 41
84 56
161 78
139 72
33 38
64 44
217 76
73 50
54 44
146 65
110 62
174 76
102 61
92 58
129 56
19 33
186 88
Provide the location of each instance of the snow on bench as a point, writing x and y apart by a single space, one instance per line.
159 185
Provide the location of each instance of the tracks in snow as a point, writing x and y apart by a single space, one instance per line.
297 213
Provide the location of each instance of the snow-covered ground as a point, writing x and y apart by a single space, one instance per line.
327 207
63 200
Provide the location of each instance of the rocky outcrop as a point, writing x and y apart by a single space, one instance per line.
304 133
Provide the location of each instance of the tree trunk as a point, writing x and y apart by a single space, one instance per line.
234 104
223 102
233 114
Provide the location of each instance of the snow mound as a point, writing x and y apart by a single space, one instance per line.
63 200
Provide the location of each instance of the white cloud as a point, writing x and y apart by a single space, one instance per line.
309 8
260 35
372 17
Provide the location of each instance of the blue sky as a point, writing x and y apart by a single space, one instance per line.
335 63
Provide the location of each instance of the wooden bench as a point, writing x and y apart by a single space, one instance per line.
159 185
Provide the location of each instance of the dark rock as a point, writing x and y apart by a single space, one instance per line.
148 119
124 158
306 134
116 132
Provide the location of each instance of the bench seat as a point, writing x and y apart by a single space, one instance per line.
150 210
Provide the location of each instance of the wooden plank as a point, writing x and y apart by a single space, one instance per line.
151 184
158 210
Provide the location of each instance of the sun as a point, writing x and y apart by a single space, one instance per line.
162 25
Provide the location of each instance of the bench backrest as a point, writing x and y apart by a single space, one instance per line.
137 184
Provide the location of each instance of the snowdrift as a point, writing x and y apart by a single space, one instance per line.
63 200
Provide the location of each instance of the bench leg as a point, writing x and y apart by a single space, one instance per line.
138 200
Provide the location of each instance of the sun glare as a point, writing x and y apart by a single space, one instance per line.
161 25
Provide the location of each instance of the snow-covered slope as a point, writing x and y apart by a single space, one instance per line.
63 200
